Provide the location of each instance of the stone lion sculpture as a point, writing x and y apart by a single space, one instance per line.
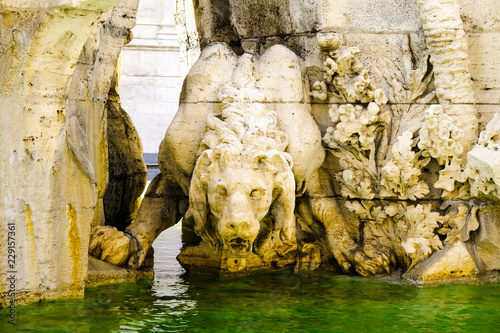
240 150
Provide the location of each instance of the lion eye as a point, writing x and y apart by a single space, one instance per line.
222 192
257 193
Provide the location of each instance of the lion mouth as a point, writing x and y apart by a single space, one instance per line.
240 246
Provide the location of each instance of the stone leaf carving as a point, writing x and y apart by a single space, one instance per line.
361 142
410 91
407 229
460 221
352 140
400 176
355 137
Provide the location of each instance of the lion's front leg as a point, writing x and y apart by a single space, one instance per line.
111 245
339 241
162 207
366 259
372 259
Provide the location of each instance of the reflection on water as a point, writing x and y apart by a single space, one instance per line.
279 302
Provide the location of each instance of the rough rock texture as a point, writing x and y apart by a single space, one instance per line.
101 273
55 75
453 264
127 170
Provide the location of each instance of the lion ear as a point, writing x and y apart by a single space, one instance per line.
284 205
198 197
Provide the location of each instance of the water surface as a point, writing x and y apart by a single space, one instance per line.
278 302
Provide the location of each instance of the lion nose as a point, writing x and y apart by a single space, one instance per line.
240 227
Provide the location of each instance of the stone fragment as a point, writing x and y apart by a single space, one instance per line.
487 239
452 262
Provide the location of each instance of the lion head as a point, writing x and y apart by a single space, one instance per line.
233 198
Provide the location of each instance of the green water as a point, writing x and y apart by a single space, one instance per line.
279 302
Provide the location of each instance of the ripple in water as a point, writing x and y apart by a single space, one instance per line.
278 302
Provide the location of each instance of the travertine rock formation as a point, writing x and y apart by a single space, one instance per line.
127 171
58 59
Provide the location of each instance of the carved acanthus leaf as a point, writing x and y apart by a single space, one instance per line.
460 222
408 228
400 176
356 185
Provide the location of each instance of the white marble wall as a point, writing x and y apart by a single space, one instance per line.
151 77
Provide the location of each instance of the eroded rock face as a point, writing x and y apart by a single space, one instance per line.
127 170
56 70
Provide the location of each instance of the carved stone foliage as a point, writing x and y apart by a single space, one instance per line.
253 157
373 167
383 149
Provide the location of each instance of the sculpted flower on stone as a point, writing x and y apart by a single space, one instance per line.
356 126
356 185
320 91
400 176
359 141
441 139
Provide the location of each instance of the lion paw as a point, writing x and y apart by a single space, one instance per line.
111 245
373 260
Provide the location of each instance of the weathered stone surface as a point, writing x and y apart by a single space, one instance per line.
487 239
380 15
163 205
102 273
393 95
213 21
395 88
127 170
272 18
480 15
453 262
57 65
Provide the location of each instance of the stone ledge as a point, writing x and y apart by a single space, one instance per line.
101 273
479 279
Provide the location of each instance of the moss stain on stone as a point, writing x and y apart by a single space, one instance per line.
31 251
74 246
93 5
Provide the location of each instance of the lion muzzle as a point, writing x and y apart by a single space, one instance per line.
238 230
